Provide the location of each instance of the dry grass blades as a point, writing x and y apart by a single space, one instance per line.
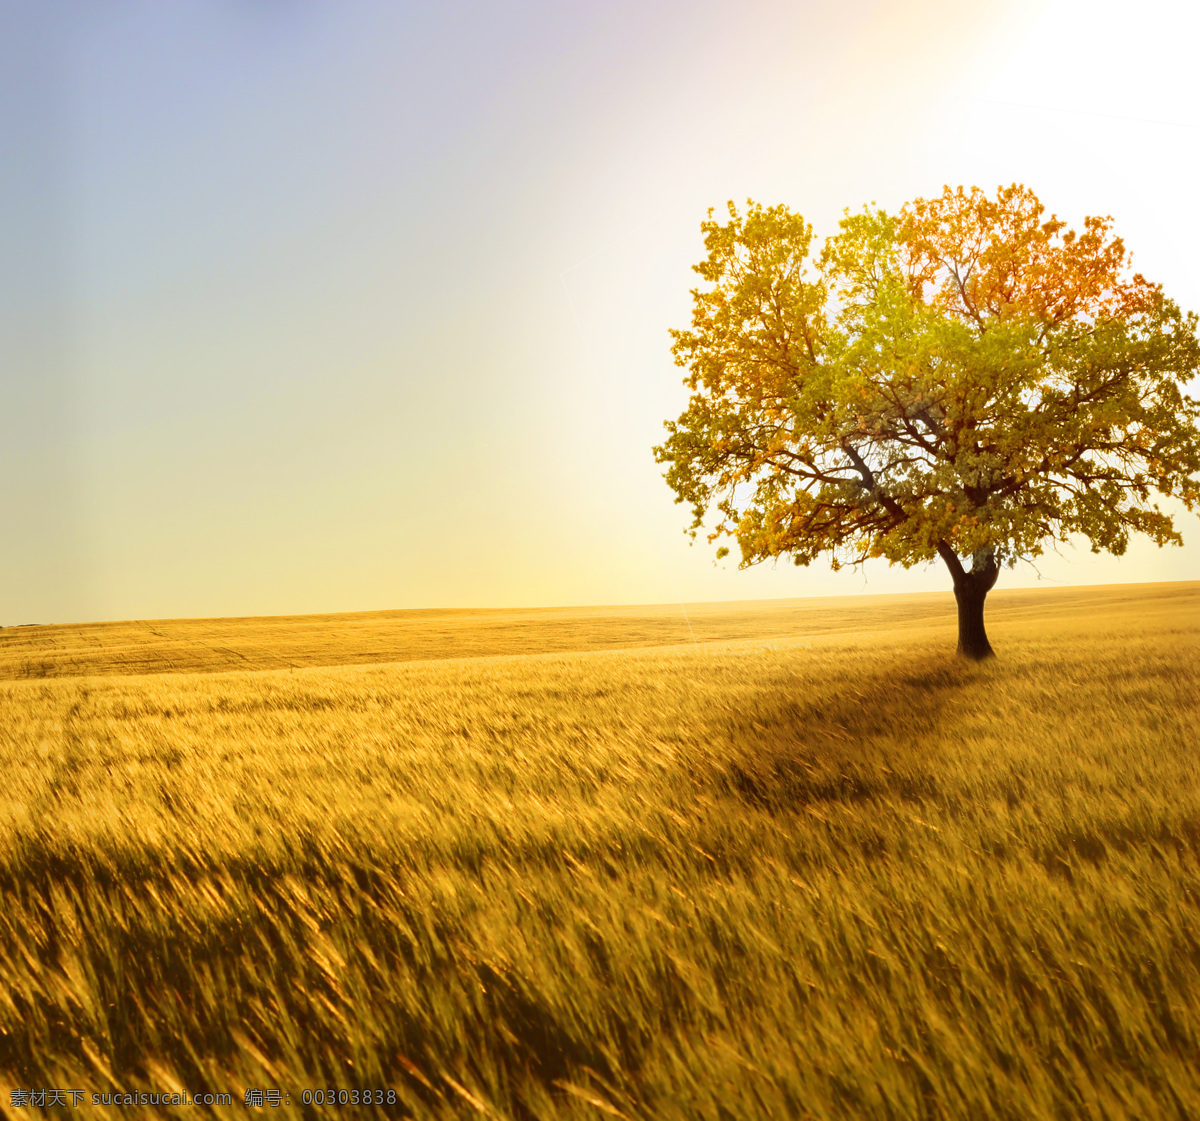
832 875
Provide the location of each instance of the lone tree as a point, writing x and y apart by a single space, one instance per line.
964 379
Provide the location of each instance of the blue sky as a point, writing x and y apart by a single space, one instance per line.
316 307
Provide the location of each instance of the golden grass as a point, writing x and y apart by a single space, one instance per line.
837 876
366 638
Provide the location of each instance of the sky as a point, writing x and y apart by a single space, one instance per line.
311 307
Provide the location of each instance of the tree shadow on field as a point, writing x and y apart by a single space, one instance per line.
882 735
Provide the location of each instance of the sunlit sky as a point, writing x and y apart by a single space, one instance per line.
310 306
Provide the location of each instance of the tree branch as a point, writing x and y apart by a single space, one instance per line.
870 484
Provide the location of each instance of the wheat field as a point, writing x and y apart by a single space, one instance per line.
783 860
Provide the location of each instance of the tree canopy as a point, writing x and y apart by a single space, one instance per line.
964 379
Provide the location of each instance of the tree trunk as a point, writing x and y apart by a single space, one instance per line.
970 590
